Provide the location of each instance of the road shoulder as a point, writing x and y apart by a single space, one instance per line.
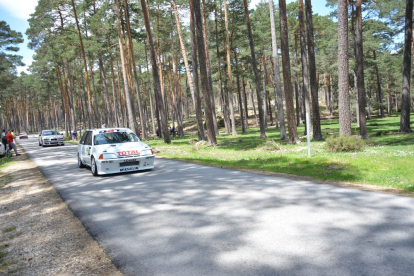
39 235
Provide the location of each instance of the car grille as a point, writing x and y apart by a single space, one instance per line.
127 164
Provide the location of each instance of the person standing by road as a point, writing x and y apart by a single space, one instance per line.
10 140
74 135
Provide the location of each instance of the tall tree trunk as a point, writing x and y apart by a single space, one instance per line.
229 75
405 95
85 64
264 94
105 90
316 118
360 72
277 83
303 55
343 70
298 87
256 74
134 67
239 93
183 51
389 107
70 96
177 101
157 86
199 115
124 63
210 81
114 96
95 97
293 135
154 131
211 134
331 100
378 81
254 107
245 101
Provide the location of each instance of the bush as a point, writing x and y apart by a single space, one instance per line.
344 143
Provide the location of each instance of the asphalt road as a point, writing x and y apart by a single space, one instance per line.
185 219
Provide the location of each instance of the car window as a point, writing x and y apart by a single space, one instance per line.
88 140
50 132
82 140
114 138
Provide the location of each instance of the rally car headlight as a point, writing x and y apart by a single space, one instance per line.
104 156
147 152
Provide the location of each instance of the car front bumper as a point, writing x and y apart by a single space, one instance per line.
53 142
120 165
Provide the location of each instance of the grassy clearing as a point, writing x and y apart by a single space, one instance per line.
386 161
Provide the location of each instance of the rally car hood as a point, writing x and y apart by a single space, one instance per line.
125 149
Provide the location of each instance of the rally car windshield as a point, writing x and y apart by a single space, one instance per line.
114 138
50 132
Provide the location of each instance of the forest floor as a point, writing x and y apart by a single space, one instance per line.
39 235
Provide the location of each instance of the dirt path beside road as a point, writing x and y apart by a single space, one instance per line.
39 235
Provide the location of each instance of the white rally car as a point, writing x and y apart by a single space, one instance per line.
50 138
113 150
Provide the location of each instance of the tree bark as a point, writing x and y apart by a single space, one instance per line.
229 75
85 64
359 49
210 81
108 106
378 82
316 118
183 51
405 95
211 134
343 70
293 135
177 101
304 58
134 67
124 64
157 86
199 115
239 93
277 83
256 74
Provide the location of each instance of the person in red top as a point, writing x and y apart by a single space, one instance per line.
10 141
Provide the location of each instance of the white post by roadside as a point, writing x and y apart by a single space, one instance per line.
308 132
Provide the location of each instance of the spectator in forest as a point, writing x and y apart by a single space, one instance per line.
10 141
74 135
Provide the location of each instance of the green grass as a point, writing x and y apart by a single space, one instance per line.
9 229
386 161
5 161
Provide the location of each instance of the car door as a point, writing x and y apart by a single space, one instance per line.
83 152
81 144
87 149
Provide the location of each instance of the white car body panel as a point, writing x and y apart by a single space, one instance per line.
117 157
